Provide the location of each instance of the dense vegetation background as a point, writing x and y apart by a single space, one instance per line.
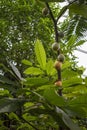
29 97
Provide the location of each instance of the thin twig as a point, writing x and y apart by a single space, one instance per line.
64 10
29 123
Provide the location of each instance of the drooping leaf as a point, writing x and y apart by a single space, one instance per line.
16 71
67 120
33 71
40 54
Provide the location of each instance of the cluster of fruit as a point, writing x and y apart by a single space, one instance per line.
56 47
58 63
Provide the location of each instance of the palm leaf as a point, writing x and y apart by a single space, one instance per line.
77 26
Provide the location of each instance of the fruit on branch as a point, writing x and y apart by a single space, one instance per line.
61 58
58 65
45 11
58 83
61 34
55 46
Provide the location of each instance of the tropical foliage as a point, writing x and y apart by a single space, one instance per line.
29 97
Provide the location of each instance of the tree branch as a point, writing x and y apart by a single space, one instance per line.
50 12
54 21
63 10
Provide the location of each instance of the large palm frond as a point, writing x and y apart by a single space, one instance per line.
77 26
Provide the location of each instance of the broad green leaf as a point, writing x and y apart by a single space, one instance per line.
68 73
53 98
26 62
40 54
44 87
36 81
79 9
80 101
33 71
49 68
9 104
67 120
76 90
72 81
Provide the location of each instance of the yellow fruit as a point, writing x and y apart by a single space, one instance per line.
58 83
58 65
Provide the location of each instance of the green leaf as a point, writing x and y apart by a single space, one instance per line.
5 80
49 68
77 25
76 111
26 62
9 104
16 71
68 73
79 9
75 91
66 65
71 41
52 96
40 54
36 81
67 120
80 101
33 71
72 81
79 43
